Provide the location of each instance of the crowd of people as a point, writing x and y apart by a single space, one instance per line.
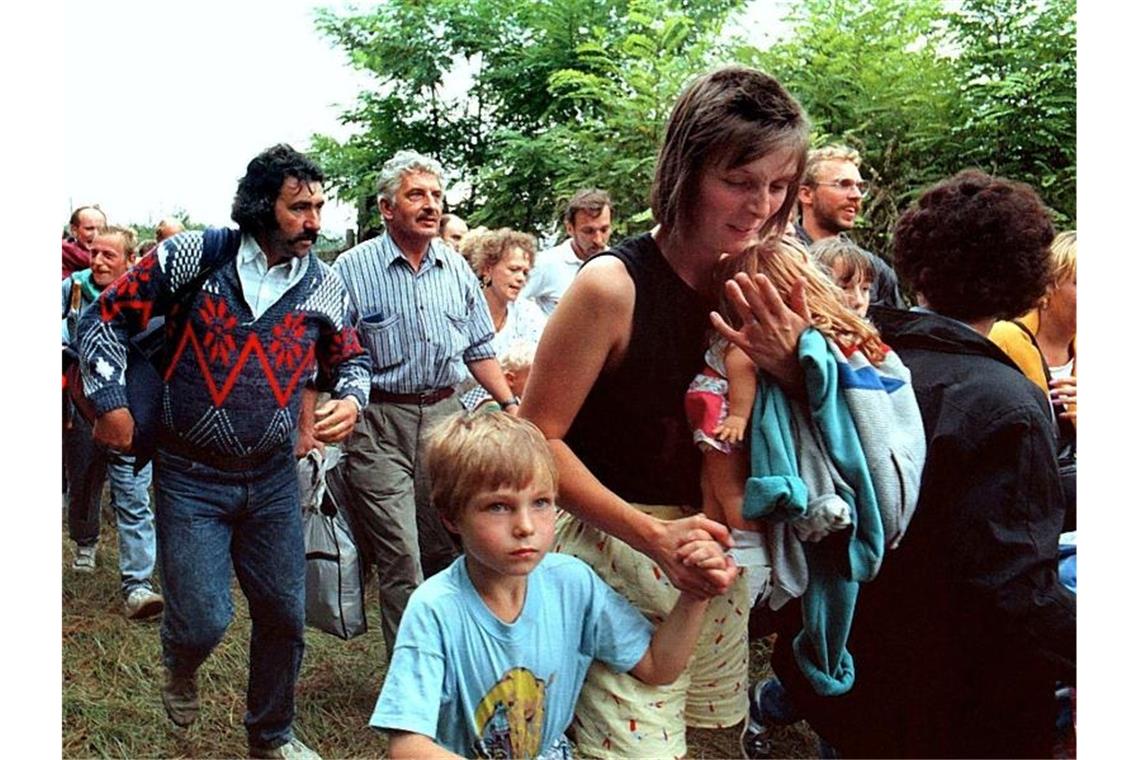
588 476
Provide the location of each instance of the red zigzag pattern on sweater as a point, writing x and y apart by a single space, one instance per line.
252 345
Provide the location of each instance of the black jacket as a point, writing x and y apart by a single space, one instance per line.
960 639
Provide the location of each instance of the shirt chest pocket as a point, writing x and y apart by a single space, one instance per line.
458 324
384 340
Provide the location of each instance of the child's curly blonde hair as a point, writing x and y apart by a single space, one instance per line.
784 260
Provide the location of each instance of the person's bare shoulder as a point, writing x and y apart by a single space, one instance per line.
604 286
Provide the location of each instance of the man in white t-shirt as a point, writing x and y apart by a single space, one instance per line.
587 219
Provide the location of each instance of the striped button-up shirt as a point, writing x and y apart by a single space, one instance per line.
418 326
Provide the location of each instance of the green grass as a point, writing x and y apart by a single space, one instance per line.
112 676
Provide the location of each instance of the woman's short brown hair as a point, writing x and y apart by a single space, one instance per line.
729 117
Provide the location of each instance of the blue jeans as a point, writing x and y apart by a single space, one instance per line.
89 466
208 520
131 501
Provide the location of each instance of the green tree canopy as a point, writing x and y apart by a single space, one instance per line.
923 92
566 94
536 122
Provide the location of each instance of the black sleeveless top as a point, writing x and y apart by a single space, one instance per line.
632 432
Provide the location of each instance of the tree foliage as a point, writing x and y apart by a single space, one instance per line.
870 75
923 92
1017 114
558 95
554 87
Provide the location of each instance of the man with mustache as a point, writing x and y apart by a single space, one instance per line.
831 197
420 313
588 227
253 316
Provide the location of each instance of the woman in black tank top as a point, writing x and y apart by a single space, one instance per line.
609 377
610 373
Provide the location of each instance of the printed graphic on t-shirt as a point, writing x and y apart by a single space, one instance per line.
509 717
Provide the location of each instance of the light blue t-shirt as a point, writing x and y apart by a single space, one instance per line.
482 687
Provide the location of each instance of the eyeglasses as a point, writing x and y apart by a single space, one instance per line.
847 185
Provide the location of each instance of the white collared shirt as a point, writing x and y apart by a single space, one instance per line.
554 270
263 285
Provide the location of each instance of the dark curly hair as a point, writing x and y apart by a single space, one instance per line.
258 190
976 247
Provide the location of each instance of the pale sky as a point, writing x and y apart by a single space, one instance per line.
186 95
176 120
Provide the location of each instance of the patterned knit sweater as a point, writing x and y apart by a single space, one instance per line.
233 384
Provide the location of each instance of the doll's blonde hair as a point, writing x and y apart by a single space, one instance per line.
783 261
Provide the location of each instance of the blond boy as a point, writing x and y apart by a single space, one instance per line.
492 652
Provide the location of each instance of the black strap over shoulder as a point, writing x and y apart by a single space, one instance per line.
219 246
1066 431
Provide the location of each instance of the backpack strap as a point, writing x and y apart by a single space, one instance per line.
219 246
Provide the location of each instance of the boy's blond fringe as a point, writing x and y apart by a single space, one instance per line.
785 260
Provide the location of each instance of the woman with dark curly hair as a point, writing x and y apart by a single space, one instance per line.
959 641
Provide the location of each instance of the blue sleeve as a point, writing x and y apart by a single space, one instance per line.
123 309
413 688
66 306
66 294
344 367
615 632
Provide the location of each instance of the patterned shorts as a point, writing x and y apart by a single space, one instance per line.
618 715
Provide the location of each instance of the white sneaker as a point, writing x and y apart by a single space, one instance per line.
142 603
84 561
293 749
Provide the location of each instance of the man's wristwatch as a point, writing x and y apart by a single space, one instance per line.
512 401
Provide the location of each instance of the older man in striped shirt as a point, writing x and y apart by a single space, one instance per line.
419 312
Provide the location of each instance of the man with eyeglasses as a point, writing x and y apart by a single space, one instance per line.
831 197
